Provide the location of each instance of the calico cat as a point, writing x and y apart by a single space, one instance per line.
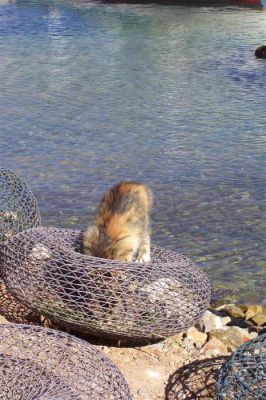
121 230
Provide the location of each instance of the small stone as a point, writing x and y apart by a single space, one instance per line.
210 321
40 253
214 347
231 336
253 310
253 335
197 337
259 319
3 320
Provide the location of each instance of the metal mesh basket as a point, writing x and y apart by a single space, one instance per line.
243 376
18 211
13 310
45 270
18 207
43 364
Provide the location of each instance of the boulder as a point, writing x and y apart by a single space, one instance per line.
234 311
196 337
211 321
253 310
213 348
231 336
259 319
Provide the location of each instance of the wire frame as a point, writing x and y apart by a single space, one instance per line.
18 207
18 211
38 363
243 376
46 270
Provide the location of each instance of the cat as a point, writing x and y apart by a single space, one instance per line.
121 230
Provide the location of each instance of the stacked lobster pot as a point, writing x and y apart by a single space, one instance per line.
41 363
18 212
45 272
243 375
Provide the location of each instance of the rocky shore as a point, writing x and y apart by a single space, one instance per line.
185 366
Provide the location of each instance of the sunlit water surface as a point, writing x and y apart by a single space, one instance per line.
93 93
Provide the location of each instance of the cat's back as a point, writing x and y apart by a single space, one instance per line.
126 196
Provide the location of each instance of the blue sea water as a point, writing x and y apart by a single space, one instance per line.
169 94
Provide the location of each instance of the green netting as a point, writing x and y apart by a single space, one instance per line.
243 376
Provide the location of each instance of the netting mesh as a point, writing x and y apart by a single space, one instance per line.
18 207
243 376
45 270
13 310
38 363
18 211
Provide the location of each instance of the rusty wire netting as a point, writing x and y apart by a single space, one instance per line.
13 310
45 270
18 211
243 376
39 363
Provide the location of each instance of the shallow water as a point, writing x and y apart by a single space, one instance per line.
94 93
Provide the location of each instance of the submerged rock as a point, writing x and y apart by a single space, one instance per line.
260 52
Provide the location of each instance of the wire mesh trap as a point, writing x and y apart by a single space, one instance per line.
243 376
38 363
13 310
18 211
45 269
18 207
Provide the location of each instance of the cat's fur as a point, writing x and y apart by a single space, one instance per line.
121 230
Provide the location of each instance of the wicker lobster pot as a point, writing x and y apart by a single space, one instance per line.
38 363
243 376
45 269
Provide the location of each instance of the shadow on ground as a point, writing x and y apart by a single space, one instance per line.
195 381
